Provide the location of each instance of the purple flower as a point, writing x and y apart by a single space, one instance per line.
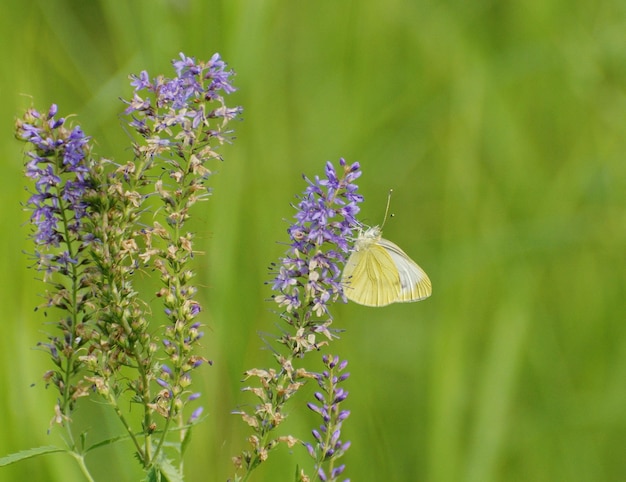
321 474
59 165
163 383
195 414
309 274
160 105
195 309
140 82
328 446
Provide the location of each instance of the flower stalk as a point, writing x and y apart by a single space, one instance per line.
97 224
306 281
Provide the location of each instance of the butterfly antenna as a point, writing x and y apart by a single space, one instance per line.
387 208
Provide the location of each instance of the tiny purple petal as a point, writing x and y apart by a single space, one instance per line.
310 449
343 376
163 383
314 407
53 111
196 414
340 396
317 435
321 474
336 472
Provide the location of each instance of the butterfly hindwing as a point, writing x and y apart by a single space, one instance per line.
414 282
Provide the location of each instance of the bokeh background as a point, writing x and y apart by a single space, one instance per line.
501 127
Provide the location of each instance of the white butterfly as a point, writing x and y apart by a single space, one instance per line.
379 273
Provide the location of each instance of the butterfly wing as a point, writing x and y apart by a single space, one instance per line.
414 282
370 277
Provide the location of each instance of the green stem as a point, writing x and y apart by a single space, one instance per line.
80 458
127 426
159 446
145 453
69 361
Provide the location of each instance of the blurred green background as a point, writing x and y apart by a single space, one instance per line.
501 127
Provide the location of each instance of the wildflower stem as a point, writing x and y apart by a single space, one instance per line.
145 454
120 414
80 458
162 438
71 354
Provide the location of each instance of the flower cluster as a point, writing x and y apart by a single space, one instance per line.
59 165
98 224
309 275
173 113
328 446
307 280
179 121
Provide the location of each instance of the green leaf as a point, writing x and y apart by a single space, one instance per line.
109 441
28 454
153 475
171 473
83 440
185 442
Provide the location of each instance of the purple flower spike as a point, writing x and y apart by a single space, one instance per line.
309 274
329 448
59 165
305 282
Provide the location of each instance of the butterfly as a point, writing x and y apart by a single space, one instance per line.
379 273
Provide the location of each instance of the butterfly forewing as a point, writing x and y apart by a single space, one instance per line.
370 277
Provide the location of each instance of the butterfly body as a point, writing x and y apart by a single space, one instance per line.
379 273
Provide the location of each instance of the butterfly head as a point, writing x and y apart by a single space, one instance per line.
367 237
